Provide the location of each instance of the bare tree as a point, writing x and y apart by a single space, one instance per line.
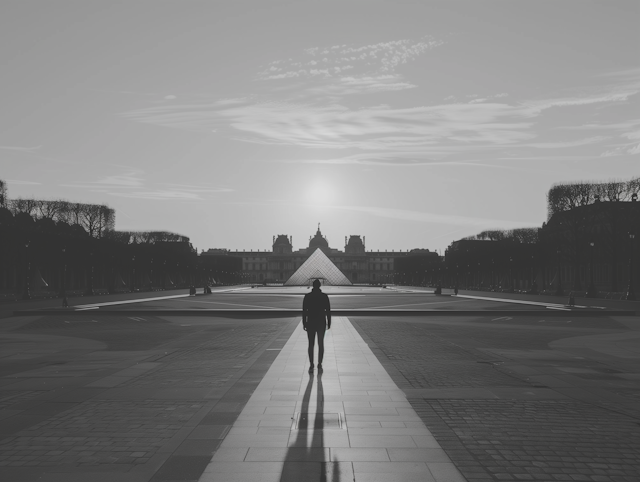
611 191
148 237
632 187
521 235
93 219
49 209
20 205
64 211
3 194
75 212
564 197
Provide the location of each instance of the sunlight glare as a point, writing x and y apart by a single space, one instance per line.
320 193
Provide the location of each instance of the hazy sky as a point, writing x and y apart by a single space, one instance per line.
412 123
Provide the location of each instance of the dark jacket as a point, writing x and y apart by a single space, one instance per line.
316 309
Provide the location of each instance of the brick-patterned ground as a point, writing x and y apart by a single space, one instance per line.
99 432
427 359
535 440
509 440
11 398
211 363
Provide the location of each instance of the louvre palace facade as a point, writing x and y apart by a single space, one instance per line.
358 265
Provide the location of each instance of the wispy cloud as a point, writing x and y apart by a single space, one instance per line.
609 94
436 128
327 108
427 217
378 58
565 144
621 126
159 195
396 159
362 85
21 149
23 183
124 181
622 150
132 185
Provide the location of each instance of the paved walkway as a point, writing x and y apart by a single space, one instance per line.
350 422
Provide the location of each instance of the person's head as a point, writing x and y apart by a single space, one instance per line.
316 284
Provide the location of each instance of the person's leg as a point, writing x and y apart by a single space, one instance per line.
320 332
311 334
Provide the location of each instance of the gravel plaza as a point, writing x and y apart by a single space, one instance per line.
416 387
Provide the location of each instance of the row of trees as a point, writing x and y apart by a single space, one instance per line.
588 244
591 224
565 197
520 235
96 219
59 247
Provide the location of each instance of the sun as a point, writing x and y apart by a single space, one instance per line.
320 193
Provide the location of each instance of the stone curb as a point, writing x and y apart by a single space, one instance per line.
262 313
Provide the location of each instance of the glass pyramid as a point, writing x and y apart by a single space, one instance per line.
317 266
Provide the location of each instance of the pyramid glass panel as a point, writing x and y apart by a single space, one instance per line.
318 266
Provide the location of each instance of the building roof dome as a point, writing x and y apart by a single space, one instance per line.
355 240
282 240
318 241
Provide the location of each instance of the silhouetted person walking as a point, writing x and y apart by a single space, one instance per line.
316 318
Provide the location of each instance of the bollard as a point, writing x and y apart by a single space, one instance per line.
572 300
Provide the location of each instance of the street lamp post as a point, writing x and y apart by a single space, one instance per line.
559 290
534 280
631 296
455 285
591 292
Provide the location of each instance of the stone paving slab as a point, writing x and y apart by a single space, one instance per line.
361 426
77 428
521 398
569 415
